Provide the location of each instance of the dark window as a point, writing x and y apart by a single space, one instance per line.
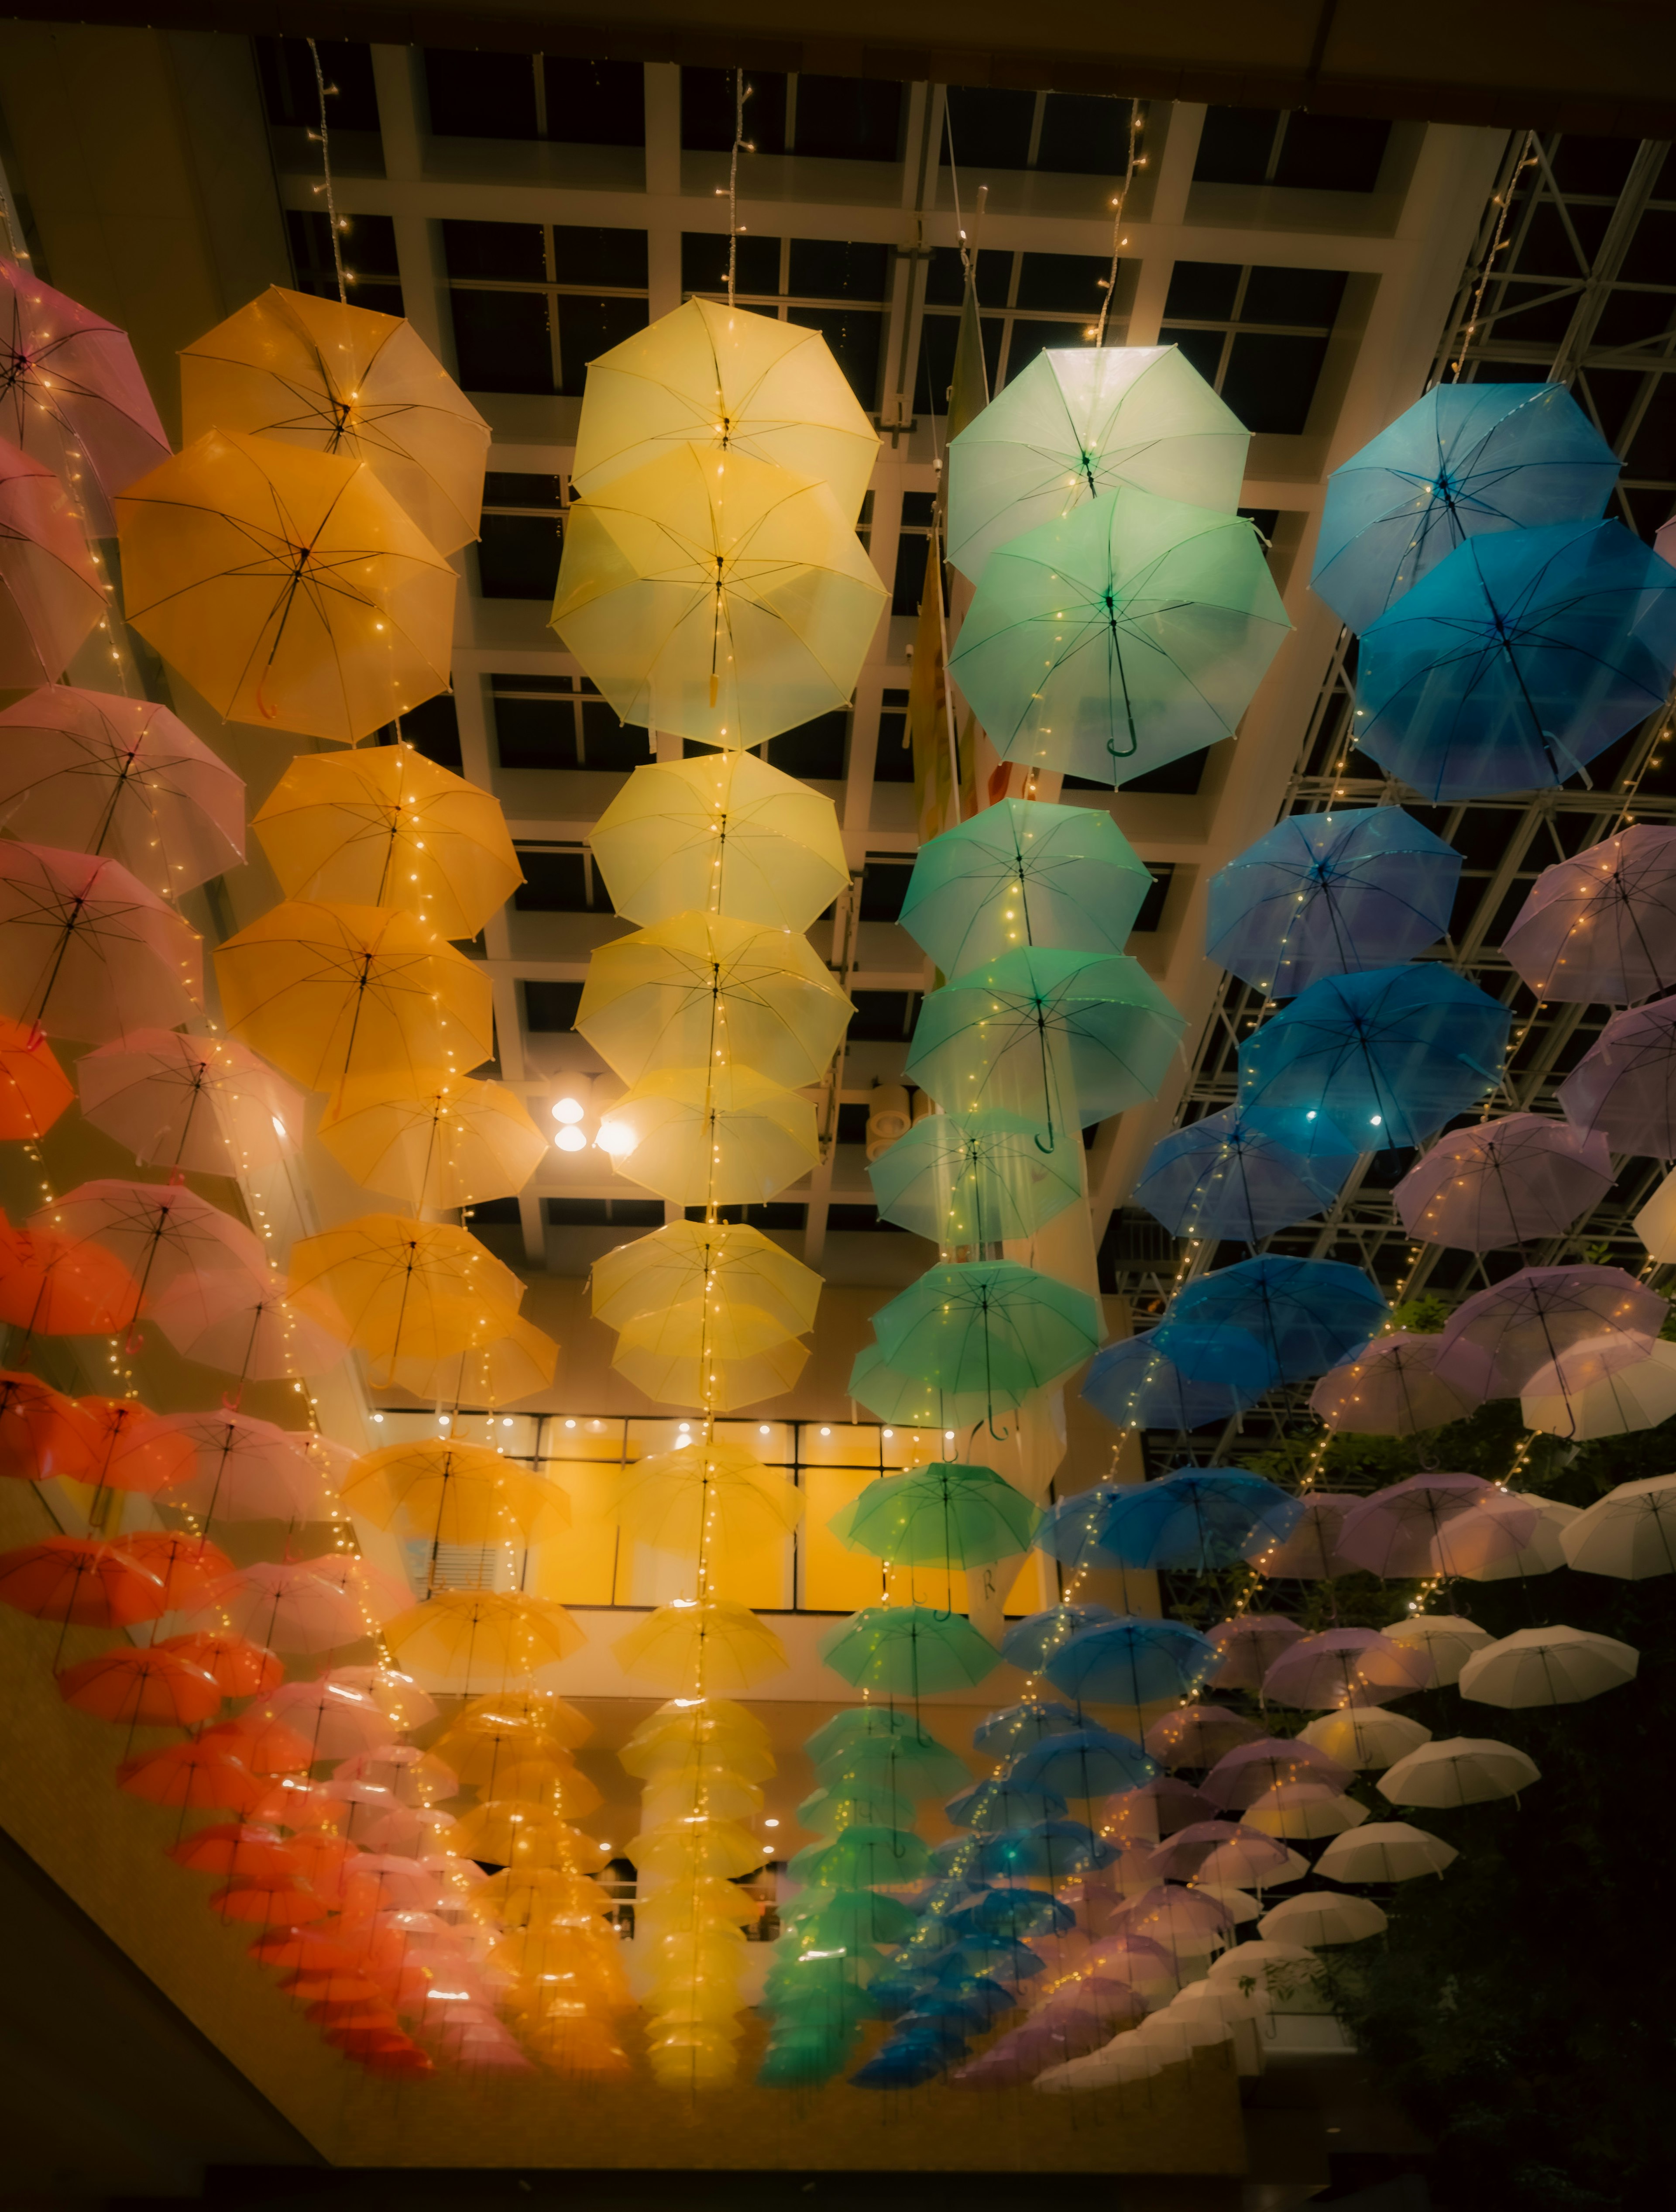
708 111
1069 281
550 1006
938 337
595 103
814 750
291 96
853 1124
1203 349
1269 382
883 887
517 553
1029 339
848 118
1152 906
908 587
510 250
588 328
884 1016
1265 518
990 127
893 760
854 1219
1236 145
433 728
474 95
604 1212
493 1212
513 488
1204 291
1132 1239
853 334
545 731
1331 153
1293 295
1267 339
535 733
1084 135
704 264
833 269
502 341
777 1213
368 246
560 883
945 280
584 254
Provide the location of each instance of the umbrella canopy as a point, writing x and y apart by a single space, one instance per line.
1624 1087
346 380
976 1178
1617 1404
726 1264
245 1325
908 1651
70 380
450 1145
51 597
1321 1917
80 1581
1389 1055
1344 1667
1457 1771
1385 1851
899 1397
1197 1735
692 1355
53 1284
1447 1640
124 778
1198 1519
704 1646
390 1285
993 1327
482 1634
1136 1386
1304 1811
1077 425
945 1515
1630 1533
1003 1801
161 1232
717 377
1024 873
42 1432
1069 1530
1244 1172
1466 459
718 597
386 827
1543 1314
1016 1728
33 1089
1365 1736
1031 1643
201 1102
1517 659
1247 1646
245 1469
1330 895
455 1493
1598 925
1311 1553
1107 643
1157 1808
89 953
1407 1528
726 1137
1090 1762
1656 1224
1250 1771
1304 1315
1394 1388
1049 1851
1547 1667
1132 1662
1240 1853
1526 1175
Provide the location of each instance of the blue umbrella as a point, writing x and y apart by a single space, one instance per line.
1016 1728
1095 1762
1132 1662
1031 1643
1135 1386
1235 1174
1070 1531
1307 1314
1200 1518
1013 1912
1003 1956
1329 895
1517 659
998 1803
1051 1848
1388 1056
1466 458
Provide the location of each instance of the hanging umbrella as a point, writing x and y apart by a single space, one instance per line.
1198 1519
1458 1771
1408 1527
1630 1533
1385 1851
975 1178
346 380
1541 1315
864 1858
1320 1917
1024 873
703 1645
1617 1404
1134 630
723 1263
1182 1920
297 1605
1132 1662
1311 1553
1344 1667
993 1327
1466 459
390 1284
692 1355
1080 423
1517 659
909 1399
720 598
54 1283
247 1469
711 1495
288 587
1247 1772
51 597
68 380
698 1138
33 1089
206 1103
163 1233
1197 1735
1017 1727
89 953
1247 1646
724 833
334 1720
943 1514
200 1776
858 1805
1524 1176
81 1581
1003 1801
738 383
133 1448
454 1494
1304 1812
1395 1388
1069 1530
1304 1315
43 1434
471 1351
1135 1386
1244 1172
121 778
453 1144
1656 1224
1447 1641
464 1635
1547 1667
1331 894
1389 1055
1365 1736
1624 1088
1050 1850
908 1651
1157 1808
1240 1853
1031 1643
1598 925
328 992
1090 1762
238 1668
245 1326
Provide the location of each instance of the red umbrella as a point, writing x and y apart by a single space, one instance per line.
185 1566
239 1849
1344 1667
323 1861
53 1284
33 1089
69 379
42 1432
204 1776
308 1950
133 1448
1395 1533
142 1687
284 1904
1248 1646
50 593
268 1748
239 1667
81 1580
162 1232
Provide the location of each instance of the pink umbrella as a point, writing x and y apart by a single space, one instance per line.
1392 1532
1197 1735
51 597
163 1233
124 778
1154 1809
1248 1647
334 1720
290 1606
1180 1919
412 1777
1344 1667
413 1832
86 951
398 1696
1393 1388
378 1881
1485 1544
1624 1086
1242 1854
1603 924
1311 1553
1534 1317
245 1326
1242 1776
244 1469
69 379
1503 1182
205 1103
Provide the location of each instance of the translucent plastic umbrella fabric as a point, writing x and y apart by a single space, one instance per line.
1024 873
1630 1533
245 1325
120 777
1330 895
69 379
1047 1851
1069 1530
1547 1667
1323 1918
716 596
1132 1662
1656 1224
163 1233
1136 1386
377 1277
1394 1388
51 597
1089 1763
451 1145
898 1397
1366 1736
1544 1314
1077 425
725 1263
53 1282
723 833
1624 1088
1458 1771
945 1514
1311 1553
1447 1640
1617 1404
86 951
1385 1851
1389 1055
908 1651
1133 631
202 1103
245 1469
1603 924
711 1494
349 381
1517 659
455 1493
468 1636
728 1138
1344 1667
1242 1173
1305 1315
1198 1519
1003 1801
1249 1645
33 1089
1404 1529
976 1178
1524 1176
992 1327
1031 1643
290 1606
1466 459
1243 1775
691 1355
1197 1735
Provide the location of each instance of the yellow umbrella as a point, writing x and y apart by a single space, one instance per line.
461 1634
458 1493
725 1794
709 1731
484 1759
702 1646
385 827
346 380
691 1356
288 587
535 1894
721 377
717 596
725 1263
559 1784
727 1139
703 990
329 993
450 1145
714 1494
390 1285
523 1838
723 833
491 1831
700 1846
525 1708
472 1353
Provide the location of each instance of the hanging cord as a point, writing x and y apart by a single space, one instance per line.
738 146
325 165
1119 241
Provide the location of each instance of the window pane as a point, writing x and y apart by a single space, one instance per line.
535 733
552 1006
554 883
610 744
368 245
518 558
1272 380
516 488
814 749
1202 348
1030 338
883 887
512 250
908 587
835 269
1152 906
853 334
589 327
704 264
1202 290
473 94
595 103
990 126
1073 282
883 1017
1293 295
585 255
1084 136
708 110
290 95
939 334
893 759
433 728
502 341
849 118
1331 153
945 281
1235 145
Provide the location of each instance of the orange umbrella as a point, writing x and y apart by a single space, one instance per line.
50 592
78 1579
321 1859
198 1775
185 1566
237 1848
142 1687
55 1284
269 1748
162 1232
33 1089
134 1448
290 1803
239 1667
284 1904
42 1432
308 1950
89 951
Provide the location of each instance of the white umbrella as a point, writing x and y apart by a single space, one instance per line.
1385 1851
1630 1533
1543 1552
1238 1904
1547 1667
1306 1809
1459 1770
1634 1397
1322 1916
1447 1640
1367 1737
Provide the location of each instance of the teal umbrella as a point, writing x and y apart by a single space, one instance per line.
910 1766
945 1515
909 1399
997 1804
992 1326
855 1917
865 1724
1135 631
861 1858
1072 1036
855 1803
1024 873
907 1650
1079 424
975 1178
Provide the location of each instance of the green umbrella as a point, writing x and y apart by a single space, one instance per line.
854 1917
907 1650
861 1857
945 1515
1076 1036
976 1178
1078 424
864 1724
992 1326
915 1767
852 1803
1135 631
909 1399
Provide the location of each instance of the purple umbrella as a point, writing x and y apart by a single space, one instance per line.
1248 1647
1397 1533
1176 1917
1157 1808
1603 924
1394 1388
1534 1318
1081 2017
1197 1735
1346 1667
1311 1553
1242 1776
1184 1855
1524 1175
1624 1086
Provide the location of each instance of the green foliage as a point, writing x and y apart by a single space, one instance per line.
1426 1316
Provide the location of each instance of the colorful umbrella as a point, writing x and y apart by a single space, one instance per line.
245 1469
462 1634
1090 1762
1330 895
43 1433
1197 1735
1016 1728
134 1448
1029 1643
1247 1772
943 1514
1136 1386
245 1325
1524 1176
1630 1533
1311 1553
51 597
297 1605
1458 1771
692 1355
456 1493
79 1580
1547 1667
898 1397
698 1138
1003 1801
471 1352
1404 1529
1366 1736
1599 925
1656 1224
89 953
908 1651
33 1089
1394 1388
456 1144
977 1178
1244 1172
994 1327
1385 1851
1249 1645
206 1103
1447 1641
1541 1315
1323 1918
1344 1667
704 1646
1132 1662
711 1495
1069 1530
1305 1315
1240 1853
386 1283
1198 1519
52 1283
161 1233
725 1264
69 379
1624 1088
1048 1850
